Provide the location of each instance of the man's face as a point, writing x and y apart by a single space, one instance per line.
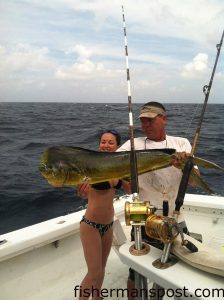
154 128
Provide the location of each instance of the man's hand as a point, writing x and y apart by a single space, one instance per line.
180 157
178 163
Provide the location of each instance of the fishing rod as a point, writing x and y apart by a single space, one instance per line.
189 163
133 158
140 280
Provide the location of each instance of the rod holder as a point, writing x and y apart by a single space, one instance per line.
166 260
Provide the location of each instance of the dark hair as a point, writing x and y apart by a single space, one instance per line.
114 132
155 104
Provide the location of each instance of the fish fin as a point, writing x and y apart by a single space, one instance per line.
198 181
206 164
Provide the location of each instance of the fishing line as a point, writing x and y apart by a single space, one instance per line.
190 124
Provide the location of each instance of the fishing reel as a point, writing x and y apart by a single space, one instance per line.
156 226
137 212
162 228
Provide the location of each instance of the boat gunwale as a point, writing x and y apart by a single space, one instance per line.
35 236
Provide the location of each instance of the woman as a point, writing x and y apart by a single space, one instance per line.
96 231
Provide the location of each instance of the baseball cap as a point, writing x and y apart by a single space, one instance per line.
149 111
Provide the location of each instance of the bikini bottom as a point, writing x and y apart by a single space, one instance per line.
102 228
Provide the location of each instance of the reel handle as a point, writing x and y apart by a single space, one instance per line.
190 246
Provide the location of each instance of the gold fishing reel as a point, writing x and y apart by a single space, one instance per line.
137 212
161 228
156 226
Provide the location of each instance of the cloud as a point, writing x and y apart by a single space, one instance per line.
81 50
198 68
23 58
174 18
79 70
145 83
26 65
55 45
84 67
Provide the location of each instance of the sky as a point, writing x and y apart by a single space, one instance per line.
73 51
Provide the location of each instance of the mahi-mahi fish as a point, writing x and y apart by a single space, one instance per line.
70 166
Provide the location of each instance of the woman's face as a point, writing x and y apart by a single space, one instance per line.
108 143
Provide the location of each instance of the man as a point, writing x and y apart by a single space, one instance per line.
161 184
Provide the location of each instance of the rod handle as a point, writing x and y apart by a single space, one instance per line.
184 183
165 208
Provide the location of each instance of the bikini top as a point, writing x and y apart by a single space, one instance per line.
106 185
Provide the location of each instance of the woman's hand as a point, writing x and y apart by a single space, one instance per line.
83 190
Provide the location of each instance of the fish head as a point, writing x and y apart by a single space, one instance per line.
49 171
52 175
56 172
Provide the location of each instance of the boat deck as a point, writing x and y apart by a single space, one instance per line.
45 261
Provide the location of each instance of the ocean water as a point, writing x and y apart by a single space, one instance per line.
27 129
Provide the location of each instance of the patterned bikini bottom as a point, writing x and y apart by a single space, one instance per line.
102 228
